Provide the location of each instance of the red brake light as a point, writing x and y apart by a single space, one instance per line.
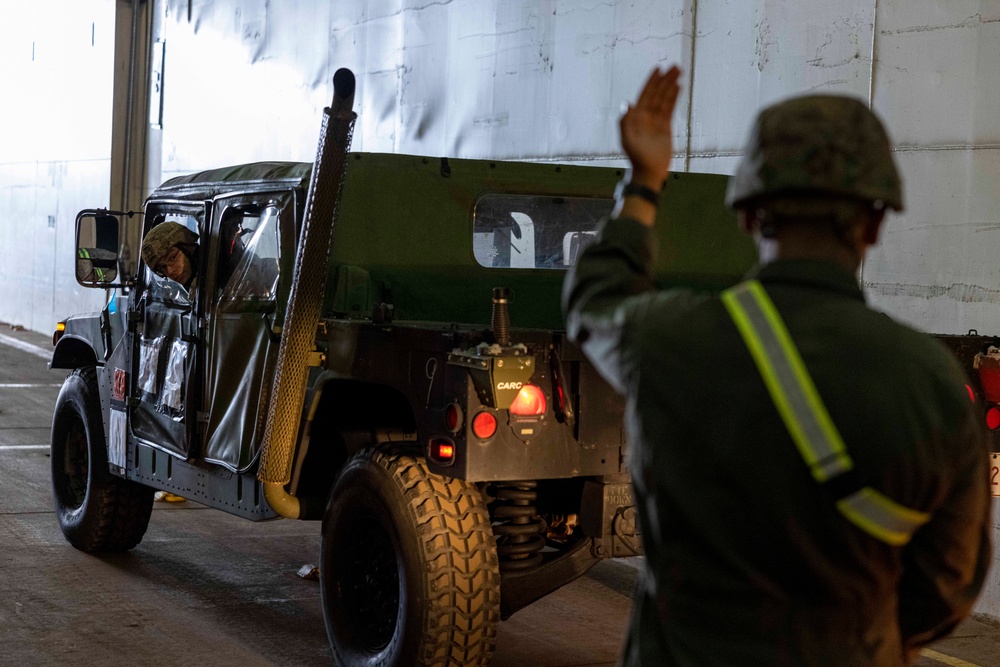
528 402
972 394
442 450
484 425
993 418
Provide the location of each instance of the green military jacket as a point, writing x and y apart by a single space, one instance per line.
748 561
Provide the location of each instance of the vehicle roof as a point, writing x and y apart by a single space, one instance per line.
249 176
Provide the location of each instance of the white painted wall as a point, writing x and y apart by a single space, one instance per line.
937 83
516 79
55 134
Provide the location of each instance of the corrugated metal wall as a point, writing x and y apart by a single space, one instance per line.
514 79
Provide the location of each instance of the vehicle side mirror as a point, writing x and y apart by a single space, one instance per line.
97 249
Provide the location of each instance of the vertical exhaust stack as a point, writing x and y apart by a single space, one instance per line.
501 316
305 301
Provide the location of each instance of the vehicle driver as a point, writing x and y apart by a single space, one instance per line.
171 250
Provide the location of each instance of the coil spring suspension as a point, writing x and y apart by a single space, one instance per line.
520 532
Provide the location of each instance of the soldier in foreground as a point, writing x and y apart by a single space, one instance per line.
810 477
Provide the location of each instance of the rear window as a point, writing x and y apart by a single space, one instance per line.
534 232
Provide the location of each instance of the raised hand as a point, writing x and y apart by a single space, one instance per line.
646 128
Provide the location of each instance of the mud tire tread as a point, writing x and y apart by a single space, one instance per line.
115 513
458 551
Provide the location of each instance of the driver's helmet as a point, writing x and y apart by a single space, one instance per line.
817 145
161 238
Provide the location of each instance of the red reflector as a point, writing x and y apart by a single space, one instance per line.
484 425
453 417
993 418
972 394
529 401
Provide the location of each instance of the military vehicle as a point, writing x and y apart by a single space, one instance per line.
374 342
980 357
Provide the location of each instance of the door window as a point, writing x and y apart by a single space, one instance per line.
248 258
162 288
244 317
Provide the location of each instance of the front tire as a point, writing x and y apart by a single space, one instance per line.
96 510
408 567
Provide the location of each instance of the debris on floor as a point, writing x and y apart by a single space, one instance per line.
167 497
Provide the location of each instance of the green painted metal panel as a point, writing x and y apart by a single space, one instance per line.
408 221
406 224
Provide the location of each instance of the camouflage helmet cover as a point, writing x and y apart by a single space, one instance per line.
161 238
817 145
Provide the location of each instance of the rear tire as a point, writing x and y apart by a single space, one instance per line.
408 567
96 510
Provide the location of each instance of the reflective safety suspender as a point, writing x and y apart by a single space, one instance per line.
99 272
808 422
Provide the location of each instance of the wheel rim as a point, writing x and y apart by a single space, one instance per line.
368 583
75 462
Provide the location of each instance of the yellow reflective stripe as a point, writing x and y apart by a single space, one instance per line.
98 272
756 348
835 444
806 417
787 381
881 516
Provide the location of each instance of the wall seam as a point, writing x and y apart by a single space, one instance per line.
690 109
129 109
871 64
871 98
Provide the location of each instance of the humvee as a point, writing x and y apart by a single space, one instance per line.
400 373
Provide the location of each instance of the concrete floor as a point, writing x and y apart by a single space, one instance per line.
207 588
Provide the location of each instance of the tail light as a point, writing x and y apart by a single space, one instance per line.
988 366
442 450
530 401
